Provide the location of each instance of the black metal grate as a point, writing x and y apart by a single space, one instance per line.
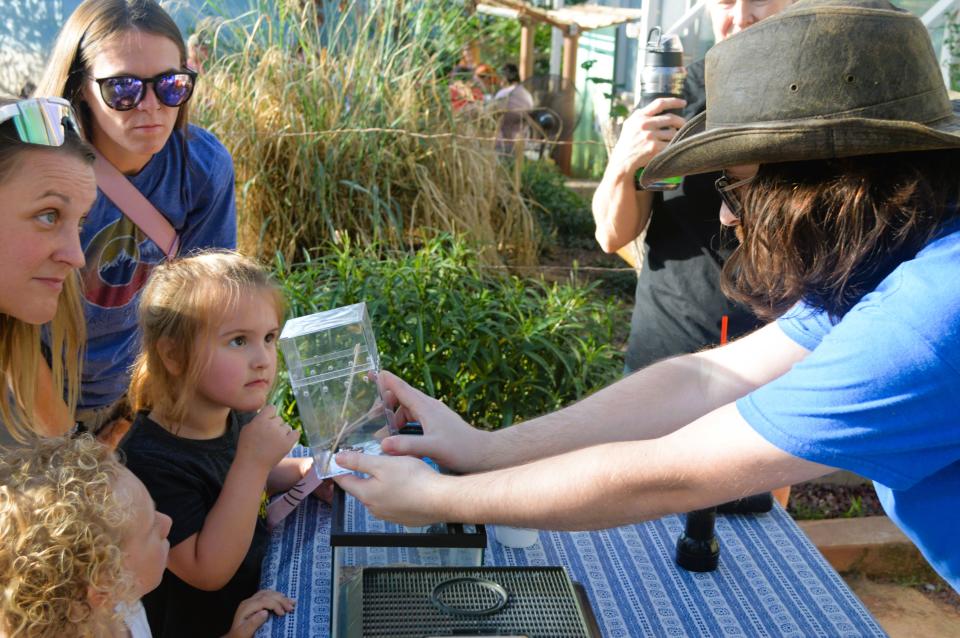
541 602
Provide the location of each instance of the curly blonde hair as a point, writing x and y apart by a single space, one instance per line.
60 539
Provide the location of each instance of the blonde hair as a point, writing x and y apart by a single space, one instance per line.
182 304
20 342
92 24
21 356
61 529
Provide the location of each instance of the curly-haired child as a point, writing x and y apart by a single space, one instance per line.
81 542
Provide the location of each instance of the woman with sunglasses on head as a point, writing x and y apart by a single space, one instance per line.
122 64
46 186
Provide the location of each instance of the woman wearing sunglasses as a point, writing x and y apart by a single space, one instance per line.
46 186
122 64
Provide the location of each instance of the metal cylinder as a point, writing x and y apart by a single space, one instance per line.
663 75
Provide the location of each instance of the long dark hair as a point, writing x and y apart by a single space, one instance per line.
828 231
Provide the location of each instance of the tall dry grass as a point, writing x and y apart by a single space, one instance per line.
339 119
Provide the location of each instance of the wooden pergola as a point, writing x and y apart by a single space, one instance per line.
571 21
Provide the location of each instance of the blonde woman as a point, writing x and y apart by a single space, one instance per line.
123 66
46 186
82 542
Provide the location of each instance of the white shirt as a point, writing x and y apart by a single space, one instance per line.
135 618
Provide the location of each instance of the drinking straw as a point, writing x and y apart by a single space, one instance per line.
724 320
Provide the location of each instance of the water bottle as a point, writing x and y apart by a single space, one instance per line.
662 76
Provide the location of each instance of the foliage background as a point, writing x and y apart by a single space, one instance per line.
339 119
494 347
358 178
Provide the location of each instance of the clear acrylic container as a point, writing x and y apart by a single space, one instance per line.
331 357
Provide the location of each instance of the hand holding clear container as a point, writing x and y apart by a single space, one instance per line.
332 360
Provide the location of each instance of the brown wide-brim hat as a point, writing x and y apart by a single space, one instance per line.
823 79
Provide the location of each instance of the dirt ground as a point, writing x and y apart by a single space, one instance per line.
926 610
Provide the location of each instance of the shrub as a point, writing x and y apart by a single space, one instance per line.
495 348
339 119
564 217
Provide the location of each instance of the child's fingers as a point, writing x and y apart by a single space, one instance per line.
325 491
277 603
248 626
269 601
268 411
269 594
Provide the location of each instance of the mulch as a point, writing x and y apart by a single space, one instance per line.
829 500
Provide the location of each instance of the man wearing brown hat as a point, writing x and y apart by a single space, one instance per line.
840 158
679 307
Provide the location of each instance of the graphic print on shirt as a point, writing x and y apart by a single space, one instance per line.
114 272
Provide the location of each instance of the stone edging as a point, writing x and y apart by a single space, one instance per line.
872 546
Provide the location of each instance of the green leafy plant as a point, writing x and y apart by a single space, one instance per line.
951 34
856 508
951 41
494 347
564 217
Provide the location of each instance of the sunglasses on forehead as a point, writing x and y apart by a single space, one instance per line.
124 92
43 120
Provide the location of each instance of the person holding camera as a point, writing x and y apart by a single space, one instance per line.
679 306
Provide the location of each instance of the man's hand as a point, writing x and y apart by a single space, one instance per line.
645 133
397 489
253 612
265 440
446 438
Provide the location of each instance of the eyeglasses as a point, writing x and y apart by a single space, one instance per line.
41 120
725 187
124 92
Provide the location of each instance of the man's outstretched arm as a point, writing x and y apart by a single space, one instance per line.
648 404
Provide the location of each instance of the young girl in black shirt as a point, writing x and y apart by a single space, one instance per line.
203 442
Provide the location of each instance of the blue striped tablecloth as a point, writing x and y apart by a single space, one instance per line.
771 581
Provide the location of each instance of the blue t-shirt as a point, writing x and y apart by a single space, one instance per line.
878 394
197 196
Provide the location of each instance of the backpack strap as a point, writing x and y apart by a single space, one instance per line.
135 206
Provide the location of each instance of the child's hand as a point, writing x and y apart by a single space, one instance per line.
325 491
254 611
266 439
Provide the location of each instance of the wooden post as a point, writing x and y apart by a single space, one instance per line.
564 152
527 30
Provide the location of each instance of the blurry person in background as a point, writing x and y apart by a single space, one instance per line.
514 102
